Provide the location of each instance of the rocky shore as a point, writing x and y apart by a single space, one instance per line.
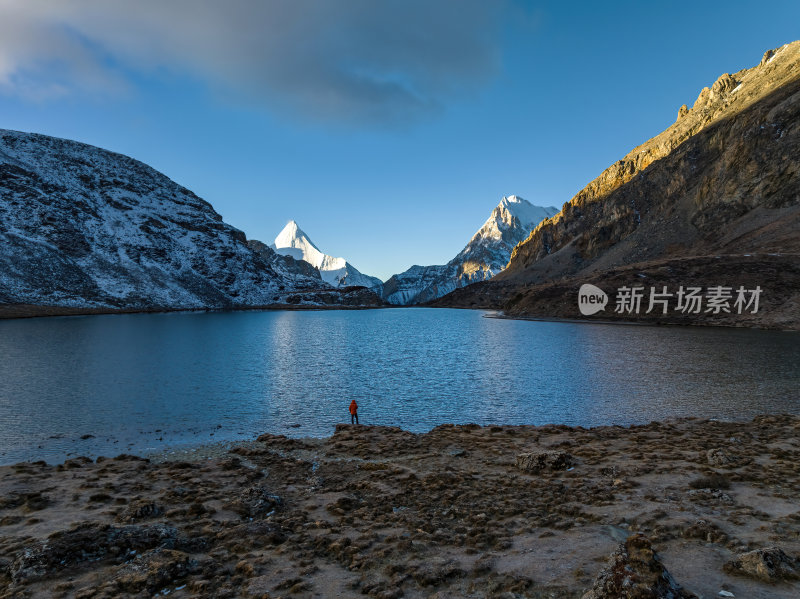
675 509
347 298
778 277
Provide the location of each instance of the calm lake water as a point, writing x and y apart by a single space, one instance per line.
144 382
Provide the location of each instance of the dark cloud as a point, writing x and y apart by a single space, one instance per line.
349 60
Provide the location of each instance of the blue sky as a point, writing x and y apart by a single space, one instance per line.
387 130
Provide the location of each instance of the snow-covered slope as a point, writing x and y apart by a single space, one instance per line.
84 227
489 250
301 272
402 289
484 256
292 241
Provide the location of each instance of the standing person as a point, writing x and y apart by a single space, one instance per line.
353 412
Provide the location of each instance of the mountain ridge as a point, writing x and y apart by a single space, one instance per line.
485 255
729 95
720 187
84 228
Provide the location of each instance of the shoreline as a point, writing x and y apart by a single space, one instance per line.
498 314
195 450
459 511
11 312
211 449
529 297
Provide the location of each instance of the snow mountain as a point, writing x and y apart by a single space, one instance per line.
489 250
486 254
82 227
338 272
419 281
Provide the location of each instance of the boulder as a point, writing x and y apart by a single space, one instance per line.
768 565
635 572
544 460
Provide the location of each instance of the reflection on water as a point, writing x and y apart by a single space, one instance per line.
141 382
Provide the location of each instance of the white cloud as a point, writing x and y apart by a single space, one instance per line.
350 60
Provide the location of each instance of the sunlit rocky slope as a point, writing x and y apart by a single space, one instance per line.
723 183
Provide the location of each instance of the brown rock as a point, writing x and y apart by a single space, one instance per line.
702 99
723 85
635 572
545 460
769 565
78 462
437 571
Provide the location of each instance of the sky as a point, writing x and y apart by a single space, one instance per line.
388 130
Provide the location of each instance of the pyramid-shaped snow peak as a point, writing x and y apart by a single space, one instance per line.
293 236
293 241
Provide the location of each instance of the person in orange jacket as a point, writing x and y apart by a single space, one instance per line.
353 412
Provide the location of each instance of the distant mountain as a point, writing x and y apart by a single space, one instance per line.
338 272
85 228
484 256
490 248
404 289
714 200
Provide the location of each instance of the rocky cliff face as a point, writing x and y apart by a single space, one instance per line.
719 188
485 255
723 178
304 275
84 227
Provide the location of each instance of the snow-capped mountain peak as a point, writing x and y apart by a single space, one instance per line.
293 236
526 212
293 241
484 256
509 223
512 213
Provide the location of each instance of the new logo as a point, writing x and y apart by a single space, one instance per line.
591 299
